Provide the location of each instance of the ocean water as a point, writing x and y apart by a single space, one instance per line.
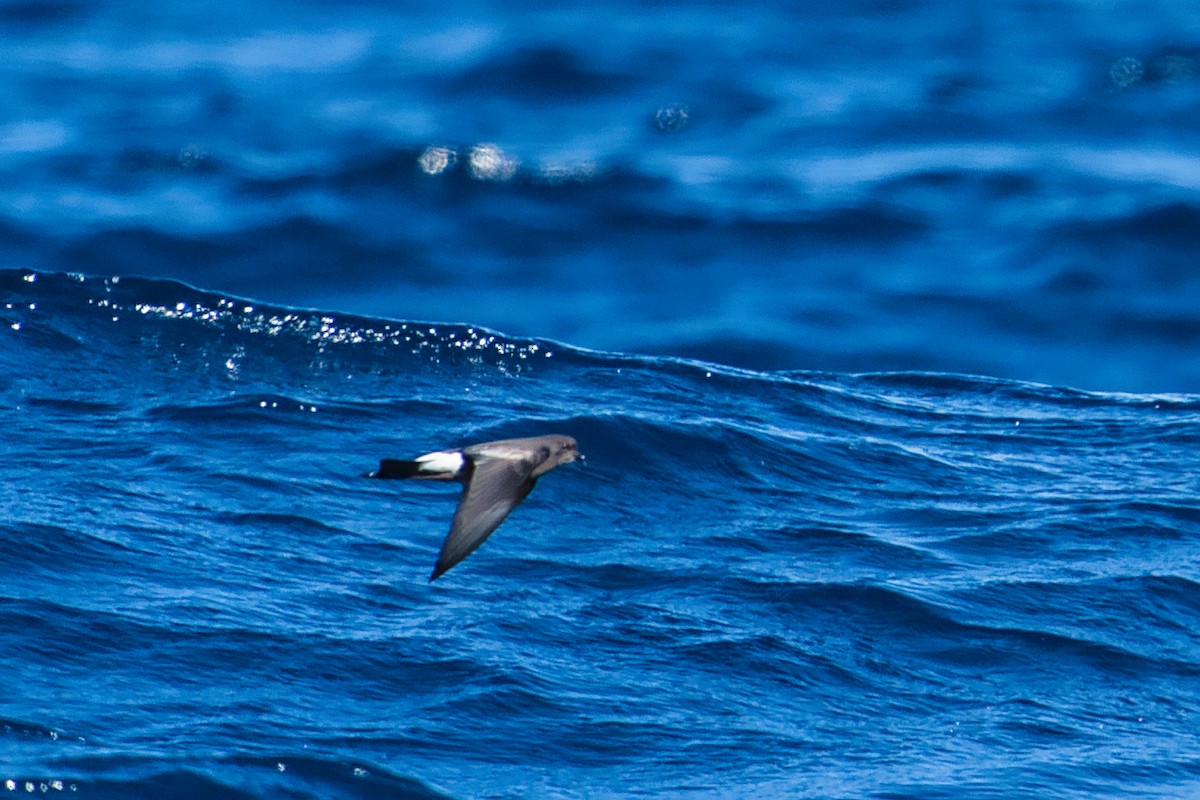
876 322
758 584
996 189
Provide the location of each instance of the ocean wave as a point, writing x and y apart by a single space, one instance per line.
300 776
750 568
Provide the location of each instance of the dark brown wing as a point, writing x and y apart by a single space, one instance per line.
493 488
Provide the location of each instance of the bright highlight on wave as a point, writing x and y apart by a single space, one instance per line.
30 787
485 162
325 329
436 160
437 342
245 326
489 162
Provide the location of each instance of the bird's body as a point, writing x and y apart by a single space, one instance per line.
496 476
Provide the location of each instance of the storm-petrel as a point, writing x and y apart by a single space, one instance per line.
496 476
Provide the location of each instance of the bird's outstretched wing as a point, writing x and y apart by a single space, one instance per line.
493 488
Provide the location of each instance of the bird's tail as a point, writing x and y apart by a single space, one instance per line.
397 469
444 465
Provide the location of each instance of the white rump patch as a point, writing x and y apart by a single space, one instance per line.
442 462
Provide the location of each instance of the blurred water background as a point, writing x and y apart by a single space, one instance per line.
999 190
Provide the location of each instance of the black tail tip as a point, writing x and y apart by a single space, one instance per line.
390 468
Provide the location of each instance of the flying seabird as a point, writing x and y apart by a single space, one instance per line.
496 476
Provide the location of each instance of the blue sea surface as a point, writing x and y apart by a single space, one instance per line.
1009 189
876 321
758 584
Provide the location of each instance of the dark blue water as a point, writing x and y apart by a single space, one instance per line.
1010 191
760 584
750 258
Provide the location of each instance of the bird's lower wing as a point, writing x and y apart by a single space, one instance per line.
493 489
